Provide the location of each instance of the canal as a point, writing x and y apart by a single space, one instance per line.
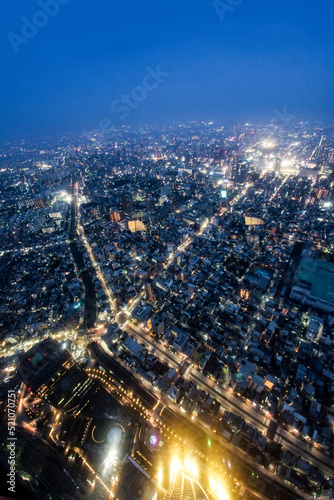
90 310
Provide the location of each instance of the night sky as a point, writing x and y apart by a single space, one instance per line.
233 66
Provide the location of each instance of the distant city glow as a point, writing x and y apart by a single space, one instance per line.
286 163
268 144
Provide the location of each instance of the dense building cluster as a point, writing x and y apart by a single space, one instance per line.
201 259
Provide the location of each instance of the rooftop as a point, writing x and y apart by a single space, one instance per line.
319 275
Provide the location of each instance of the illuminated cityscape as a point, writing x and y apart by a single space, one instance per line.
167 250
182 349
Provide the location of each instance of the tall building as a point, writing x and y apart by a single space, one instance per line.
52 374
277 165
165 190
238 169
242 171
149 288
232 161
127 205
150 203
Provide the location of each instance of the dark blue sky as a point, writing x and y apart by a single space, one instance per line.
263 55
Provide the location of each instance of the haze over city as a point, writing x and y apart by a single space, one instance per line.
232 62
167 250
